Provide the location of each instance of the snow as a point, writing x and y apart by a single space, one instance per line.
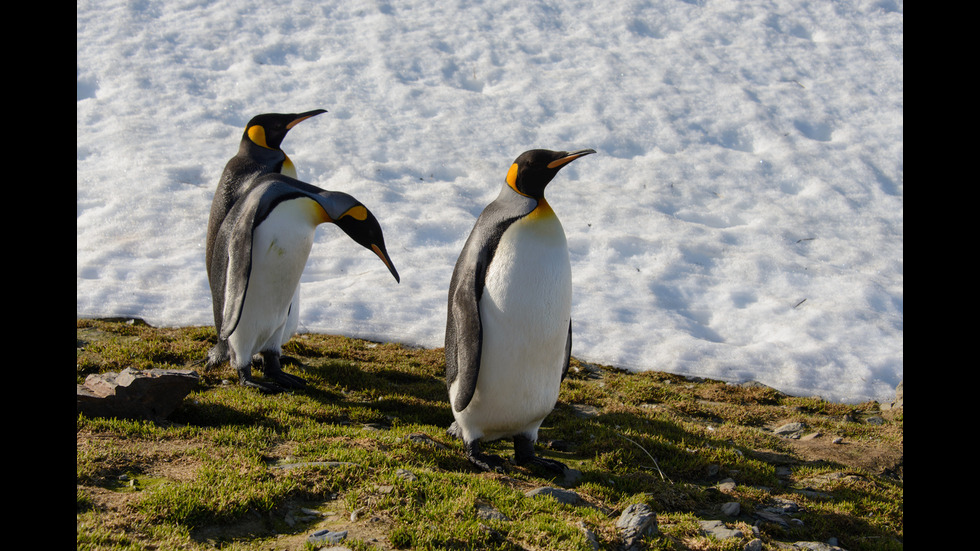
742 219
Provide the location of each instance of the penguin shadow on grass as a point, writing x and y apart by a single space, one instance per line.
378 386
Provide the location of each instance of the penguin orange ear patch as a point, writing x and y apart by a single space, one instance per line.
358 213
512 179
512 175
257 135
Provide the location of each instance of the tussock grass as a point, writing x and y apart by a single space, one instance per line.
235 469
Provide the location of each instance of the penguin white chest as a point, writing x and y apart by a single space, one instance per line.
525 311
281 245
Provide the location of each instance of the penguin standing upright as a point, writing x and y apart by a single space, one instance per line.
260 251
508 328
259 152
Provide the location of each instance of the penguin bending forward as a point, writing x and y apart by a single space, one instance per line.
259 152
260 251
508 329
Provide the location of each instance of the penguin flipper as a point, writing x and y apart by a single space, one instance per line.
568 351
464 344
235 235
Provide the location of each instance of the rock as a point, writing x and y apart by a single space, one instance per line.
326 536
406 475
717 529
731 509
135 394
571 476
486 511
899 399
727 485
584 411
562 495
589 535
790 430
637 521
754 545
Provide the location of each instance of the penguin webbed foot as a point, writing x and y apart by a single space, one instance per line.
245 379
272 368
484 461
524 455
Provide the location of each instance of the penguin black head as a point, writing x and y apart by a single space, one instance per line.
532 170
361 225
269 129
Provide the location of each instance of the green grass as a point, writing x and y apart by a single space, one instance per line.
235 469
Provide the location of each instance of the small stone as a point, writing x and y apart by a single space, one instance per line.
727 485
406 475
731 509
486 511
754 545
326 536
637 521
589 535
790 430
584 411
718 529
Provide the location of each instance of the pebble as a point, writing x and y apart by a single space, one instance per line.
726 485
718 529
731 509
637 520
589 535
791 430
406 475
489 512
326 536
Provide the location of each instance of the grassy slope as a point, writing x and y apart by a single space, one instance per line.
234 469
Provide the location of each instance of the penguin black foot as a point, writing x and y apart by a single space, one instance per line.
524 455
484 461
272 368
245 379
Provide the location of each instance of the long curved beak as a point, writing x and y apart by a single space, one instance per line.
303 116
569 157
383 255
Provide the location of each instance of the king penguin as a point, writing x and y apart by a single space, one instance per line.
260 251
259 152
509 327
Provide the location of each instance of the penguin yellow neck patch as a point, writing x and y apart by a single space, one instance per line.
543 209
288 168
257 135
